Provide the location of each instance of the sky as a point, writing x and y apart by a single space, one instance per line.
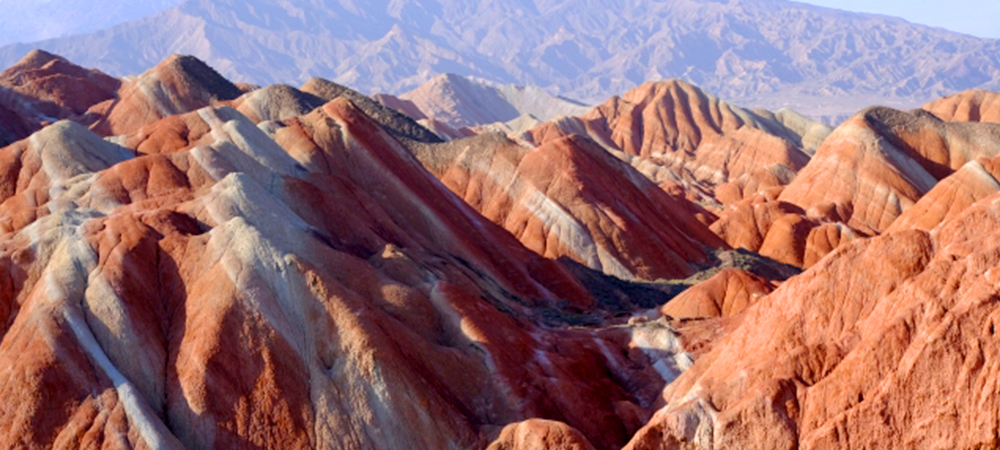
976 17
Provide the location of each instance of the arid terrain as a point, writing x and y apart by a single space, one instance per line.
773 54
191 261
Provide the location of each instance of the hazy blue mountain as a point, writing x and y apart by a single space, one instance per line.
767 53
34 20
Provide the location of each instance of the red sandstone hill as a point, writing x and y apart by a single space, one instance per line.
301 282
968 106
569 197
187 264
675 133
888 341
868 173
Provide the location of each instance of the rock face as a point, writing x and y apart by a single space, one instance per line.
56 82
275 103
204 282
897 157
975 181
43 88
570 198
874 345
726 294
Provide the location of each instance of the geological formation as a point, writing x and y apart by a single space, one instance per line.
189 263
969 106
781 185
676 134
825 62
888 341
867 173
569 197
203 281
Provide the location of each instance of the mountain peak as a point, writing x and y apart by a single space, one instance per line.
37 58
198 72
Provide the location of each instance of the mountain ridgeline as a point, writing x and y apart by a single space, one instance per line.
822 62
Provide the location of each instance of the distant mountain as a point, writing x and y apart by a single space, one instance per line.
759 53
34 20
459 102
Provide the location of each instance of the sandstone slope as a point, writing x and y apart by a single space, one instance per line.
968 106
570 198
302 284
869 172
675 133
887 341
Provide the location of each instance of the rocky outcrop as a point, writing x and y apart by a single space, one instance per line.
975 181
43 88
726 294
60 87
275 103
540 435
896 158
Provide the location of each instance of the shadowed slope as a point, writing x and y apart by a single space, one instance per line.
319 284
571 198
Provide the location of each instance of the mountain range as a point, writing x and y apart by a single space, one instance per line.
821 62
27 21
188 262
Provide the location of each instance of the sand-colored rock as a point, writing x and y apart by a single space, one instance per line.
804 132
460 102
274 103
445 132
726 294
540 435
